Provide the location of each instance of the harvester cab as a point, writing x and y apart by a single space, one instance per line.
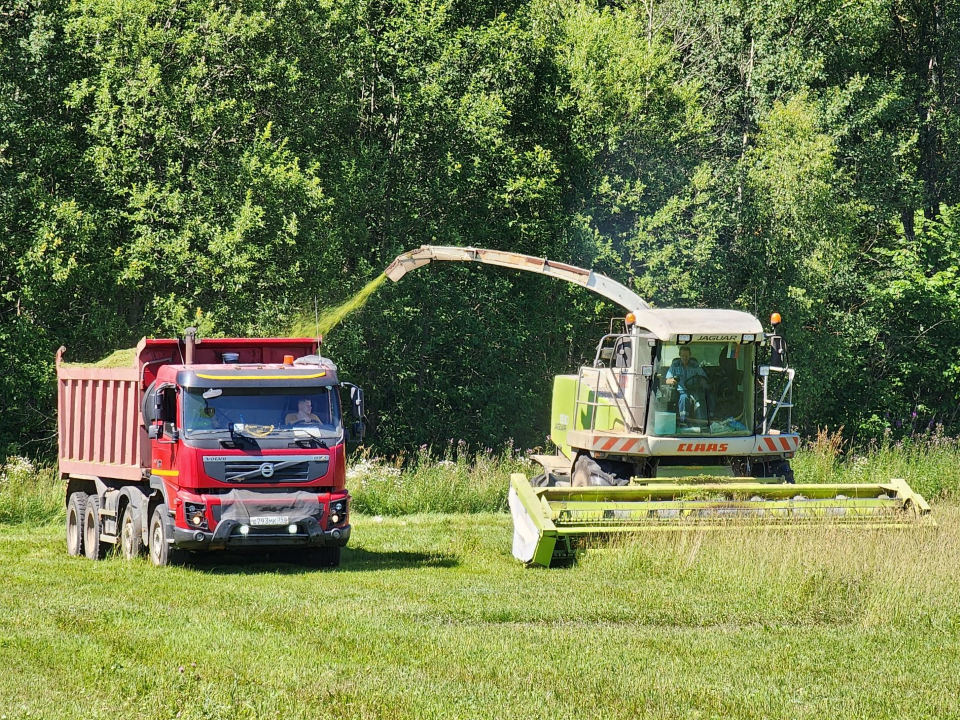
684 417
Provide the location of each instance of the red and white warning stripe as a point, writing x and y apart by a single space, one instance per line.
778 443
605 443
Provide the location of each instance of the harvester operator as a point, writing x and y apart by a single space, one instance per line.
691 382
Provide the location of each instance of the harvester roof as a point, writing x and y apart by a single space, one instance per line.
667 323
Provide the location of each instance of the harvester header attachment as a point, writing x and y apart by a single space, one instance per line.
552 523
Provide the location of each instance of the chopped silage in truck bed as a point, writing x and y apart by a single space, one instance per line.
116 359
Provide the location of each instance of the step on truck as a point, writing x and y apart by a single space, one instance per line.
202 445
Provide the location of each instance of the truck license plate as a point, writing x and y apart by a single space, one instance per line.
260 520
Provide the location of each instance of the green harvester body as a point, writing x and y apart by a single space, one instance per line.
677 424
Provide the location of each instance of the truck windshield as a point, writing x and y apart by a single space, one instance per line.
262 411
704 388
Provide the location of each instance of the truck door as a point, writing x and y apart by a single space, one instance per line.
165 433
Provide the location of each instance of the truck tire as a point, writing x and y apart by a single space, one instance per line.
131 544
323 557
76 509
92 547
162 551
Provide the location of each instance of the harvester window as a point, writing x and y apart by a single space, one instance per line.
704 389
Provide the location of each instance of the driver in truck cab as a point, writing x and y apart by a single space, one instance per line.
303 413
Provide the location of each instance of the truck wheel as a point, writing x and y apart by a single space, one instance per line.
162 552
323 557
131 544
92 547
76 509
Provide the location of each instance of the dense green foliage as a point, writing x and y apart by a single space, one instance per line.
169 163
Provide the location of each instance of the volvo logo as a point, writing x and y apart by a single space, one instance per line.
266 470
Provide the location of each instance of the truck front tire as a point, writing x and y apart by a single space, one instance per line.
76 510
162 551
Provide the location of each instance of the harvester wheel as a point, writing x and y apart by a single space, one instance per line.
785 471
777 468
588 472
76 509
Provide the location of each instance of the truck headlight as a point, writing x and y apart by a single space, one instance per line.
338 512
195 514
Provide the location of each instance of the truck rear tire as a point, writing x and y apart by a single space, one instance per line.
131 544
162 551
92 547
76 510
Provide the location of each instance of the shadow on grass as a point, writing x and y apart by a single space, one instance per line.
288 563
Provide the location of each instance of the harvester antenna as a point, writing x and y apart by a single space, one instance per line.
316 319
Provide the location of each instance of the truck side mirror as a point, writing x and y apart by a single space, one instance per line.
356 401
357 428
155 432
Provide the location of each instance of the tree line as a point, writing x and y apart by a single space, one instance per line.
166 163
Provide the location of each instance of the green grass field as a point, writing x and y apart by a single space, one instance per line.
430 616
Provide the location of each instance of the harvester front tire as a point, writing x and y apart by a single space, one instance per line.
588 472
76 510
162 552
786 472
92 547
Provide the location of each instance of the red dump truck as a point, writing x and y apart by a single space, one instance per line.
207 444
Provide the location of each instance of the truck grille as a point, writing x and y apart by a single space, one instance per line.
250 472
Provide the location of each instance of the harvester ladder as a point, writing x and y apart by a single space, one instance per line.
772 406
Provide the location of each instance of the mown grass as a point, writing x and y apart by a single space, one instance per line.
429 616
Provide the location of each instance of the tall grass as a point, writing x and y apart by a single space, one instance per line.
460 481
456 482
29 495
930 462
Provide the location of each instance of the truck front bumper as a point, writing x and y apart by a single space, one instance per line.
227 535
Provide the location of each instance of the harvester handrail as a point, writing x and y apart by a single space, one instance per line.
614 390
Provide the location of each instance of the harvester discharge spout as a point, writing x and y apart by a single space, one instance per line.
600 284
678 423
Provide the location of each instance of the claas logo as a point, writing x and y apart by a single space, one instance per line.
702 447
